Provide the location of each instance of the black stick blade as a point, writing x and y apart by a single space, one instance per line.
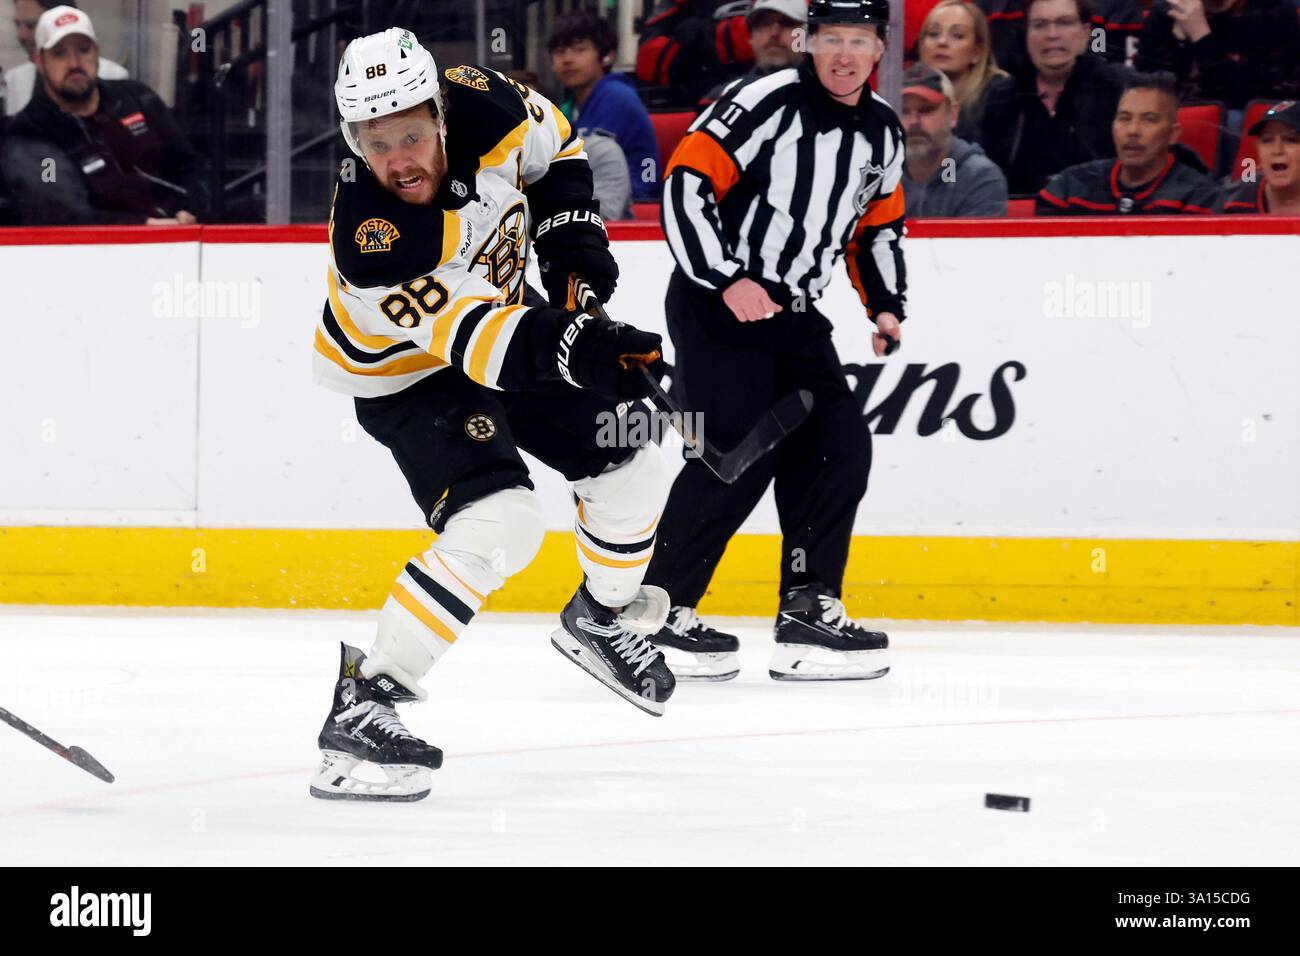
781 419
89 764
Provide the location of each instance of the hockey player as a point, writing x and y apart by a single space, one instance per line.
773 183
426 324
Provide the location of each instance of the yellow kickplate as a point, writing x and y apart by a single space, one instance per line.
936 578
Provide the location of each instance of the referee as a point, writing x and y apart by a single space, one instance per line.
771 185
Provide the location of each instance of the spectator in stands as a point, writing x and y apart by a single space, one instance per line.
772 28
1229 50
1057 110
690 47
954 38
1151 176
612 184
93 151
1113 32
21 80
943 175
582 55
1278 192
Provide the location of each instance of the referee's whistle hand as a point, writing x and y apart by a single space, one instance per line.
749 301
887 327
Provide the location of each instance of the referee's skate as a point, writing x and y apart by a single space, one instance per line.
817 640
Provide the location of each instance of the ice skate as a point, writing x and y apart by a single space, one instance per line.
695 651
363 732
610 649
817 640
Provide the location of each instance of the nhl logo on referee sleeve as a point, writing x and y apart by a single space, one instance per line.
480 428
872 176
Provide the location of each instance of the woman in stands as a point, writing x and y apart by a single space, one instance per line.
1277 190
955 39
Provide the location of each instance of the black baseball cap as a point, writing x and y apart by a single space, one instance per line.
1287 113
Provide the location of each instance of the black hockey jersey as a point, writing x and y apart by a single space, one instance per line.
1094 189
1245 198
413 289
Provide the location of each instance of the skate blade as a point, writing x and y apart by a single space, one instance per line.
571 648
689 666
808 662
334 780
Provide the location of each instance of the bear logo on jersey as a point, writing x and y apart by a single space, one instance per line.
376 235
467 76
480 428
501 257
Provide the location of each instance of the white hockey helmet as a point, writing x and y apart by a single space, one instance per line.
380 74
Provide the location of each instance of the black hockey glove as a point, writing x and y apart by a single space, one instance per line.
607 357
568 245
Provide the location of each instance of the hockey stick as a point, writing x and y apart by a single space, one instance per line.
779 420
74 755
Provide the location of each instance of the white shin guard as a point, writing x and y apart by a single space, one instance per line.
618 512
439 592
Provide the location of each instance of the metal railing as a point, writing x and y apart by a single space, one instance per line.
266 122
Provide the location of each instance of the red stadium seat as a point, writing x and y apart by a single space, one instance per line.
1248 148
645 211
1020 208
1203 130
669 130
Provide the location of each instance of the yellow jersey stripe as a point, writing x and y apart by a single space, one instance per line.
411 363
408 601
450 236
445 324
610 562
344 319
487 338
562 123
442 567
499 153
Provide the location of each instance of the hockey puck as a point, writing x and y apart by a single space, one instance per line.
1000 801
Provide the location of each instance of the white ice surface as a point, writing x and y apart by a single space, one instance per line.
1137 746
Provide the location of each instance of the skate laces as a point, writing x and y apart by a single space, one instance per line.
381 715
637 650
833 612
685 621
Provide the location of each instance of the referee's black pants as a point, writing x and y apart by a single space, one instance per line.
731 372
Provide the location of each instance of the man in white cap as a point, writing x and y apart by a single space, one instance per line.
21 80
91 151
774 28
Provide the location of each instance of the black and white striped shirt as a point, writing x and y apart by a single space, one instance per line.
775 181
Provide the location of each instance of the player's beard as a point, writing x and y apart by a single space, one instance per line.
431 179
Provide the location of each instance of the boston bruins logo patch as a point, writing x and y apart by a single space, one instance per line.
480 428
467 76
376 235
